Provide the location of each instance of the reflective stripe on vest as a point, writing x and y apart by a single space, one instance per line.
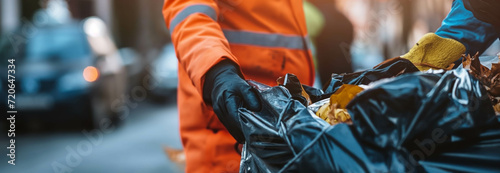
265 39
186 12
244 37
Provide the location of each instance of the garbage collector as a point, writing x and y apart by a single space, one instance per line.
221 43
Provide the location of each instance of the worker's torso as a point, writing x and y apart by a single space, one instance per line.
268 37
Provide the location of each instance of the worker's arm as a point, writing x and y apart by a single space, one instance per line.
459 33
197 37
485 10
463 26
204 53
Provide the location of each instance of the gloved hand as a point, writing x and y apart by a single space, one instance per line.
226 91
433 51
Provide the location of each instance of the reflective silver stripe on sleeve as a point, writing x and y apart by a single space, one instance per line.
186 12
265 40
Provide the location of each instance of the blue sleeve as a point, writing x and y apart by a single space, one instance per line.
461 25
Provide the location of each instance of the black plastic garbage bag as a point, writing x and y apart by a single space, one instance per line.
412 123
387 69
475 155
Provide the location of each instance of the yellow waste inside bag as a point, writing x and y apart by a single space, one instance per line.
334 112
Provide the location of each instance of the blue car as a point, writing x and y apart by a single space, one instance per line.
67 74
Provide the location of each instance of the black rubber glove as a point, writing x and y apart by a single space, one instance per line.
485 10
226 91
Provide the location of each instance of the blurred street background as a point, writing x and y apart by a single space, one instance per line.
95 86
96 79
135 146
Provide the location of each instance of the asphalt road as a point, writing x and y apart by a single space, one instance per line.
134 146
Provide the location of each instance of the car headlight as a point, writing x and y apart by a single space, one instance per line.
90 74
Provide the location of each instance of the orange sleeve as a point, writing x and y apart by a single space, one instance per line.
197 37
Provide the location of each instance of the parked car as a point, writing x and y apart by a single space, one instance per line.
66 73
164 74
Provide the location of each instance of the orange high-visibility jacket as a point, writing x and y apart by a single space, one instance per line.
266 38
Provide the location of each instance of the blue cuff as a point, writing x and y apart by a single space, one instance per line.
461 25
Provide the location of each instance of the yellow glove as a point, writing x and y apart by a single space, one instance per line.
433 51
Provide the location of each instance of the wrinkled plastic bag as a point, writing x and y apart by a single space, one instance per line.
387 69
412 123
